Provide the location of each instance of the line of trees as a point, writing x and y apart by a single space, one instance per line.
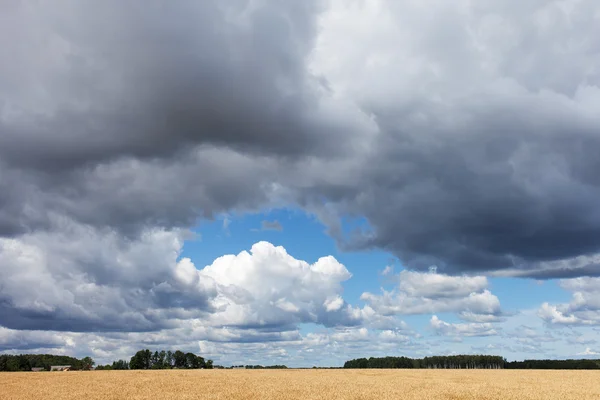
468 362
381 362
146 359
25 362
554 364
463 362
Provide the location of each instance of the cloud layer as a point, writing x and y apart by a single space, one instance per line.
465 139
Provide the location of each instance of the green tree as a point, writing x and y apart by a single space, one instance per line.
87 363
169 359
179 359
191 361
141 360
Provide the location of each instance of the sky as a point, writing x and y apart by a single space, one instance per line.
300 182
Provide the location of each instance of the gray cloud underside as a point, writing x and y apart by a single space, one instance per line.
468 142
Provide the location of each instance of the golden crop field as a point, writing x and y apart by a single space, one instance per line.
302 384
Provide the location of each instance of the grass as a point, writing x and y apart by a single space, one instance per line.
302 384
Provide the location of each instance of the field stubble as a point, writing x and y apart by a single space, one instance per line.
302 384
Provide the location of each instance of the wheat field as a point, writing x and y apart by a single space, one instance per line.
302 384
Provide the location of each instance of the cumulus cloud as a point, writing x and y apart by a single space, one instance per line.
584 308
426 293
79 278
468 330
268 287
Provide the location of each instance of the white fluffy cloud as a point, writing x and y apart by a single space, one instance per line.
268 287
427 293
462 330
583 309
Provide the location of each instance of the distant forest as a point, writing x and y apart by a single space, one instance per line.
469 362
145 359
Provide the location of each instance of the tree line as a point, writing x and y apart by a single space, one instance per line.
25 362
554 364
441 362
146 359
143 359
468 362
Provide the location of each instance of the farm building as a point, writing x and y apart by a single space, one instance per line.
37 369
60 368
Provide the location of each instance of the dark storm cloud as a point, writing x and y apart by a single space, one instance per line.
133 194
105 106
486 152
506 199
590 269
102 80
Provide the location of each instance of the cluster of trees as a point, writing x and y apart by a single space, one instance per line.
554 364
25 362
381 362
116 365
448 362
145 359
